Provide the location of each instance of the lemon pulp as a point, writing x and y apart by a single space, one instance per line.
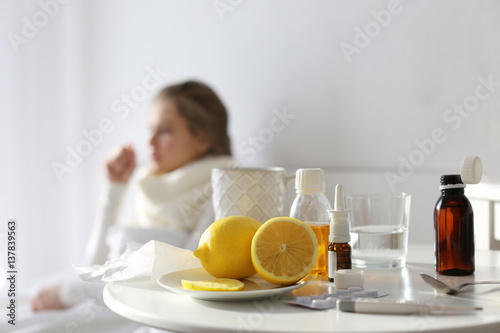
284 250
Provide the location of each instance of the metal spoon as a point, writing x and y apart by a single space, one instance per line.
444 288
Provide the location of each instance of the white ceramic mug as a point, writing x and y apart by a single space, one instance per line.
254 192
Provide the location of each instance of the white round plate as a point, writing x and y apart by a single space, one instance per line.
254 288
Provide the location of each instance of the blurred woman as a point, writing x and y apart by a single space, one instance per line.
172 204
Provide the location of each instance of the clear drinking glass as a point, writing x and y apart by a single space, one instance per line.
379 229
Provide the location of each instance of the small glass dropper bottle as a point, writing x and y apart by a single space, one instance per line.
339 250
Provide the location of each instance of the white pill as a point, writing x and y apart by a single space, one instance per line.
303 300
371 293
317 297
331 302
318 303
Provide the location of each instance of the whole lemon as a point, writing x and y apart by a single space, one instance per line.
225 247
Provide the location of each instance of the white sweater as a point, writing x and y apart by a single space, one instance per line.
174 208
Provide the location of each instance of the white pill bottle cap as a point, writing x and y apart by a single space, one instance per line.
311 180
346 278
471 170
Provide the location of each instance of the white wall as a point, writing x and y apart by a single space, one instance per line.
357 119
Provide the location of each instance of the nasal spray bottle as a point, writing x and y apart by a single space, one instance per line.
339 250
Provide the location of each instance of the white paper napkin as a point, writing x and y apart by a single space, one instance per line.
152 259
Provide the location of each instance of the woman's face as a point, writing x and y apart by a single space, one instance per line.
172 144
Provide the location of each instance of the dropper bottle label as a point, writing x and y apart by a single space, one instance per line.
332 263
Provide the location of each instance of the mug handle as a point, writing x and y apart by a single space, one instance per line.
288 179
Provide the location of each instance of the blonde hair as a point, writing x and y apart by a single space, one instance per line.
204 112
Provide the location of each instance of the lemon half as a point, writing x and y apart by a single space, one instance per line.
284 250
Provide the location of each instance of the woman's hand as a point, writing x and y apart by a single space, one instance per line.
120 164
47 299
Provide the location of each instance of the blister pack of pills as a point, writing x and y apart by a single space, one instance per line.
329 300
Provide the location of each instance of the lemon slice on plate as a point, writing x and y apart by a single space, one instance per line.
284 250
214 285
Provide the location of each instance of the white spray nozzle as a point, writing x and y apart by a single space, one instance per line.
339 225
339 197
338 211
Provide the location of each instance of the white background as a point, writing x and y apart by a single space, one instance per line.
356 119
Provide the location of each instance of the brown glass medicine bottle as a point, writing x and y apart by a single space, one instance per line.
342 254
454 229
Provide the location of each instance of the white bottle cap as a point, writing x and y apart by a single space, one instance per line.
310 180
471 170
347 278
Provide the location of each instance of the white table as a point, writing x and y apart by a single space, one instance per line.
148 303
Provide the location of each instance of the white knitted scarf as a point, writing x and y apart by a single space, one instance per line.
175 200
